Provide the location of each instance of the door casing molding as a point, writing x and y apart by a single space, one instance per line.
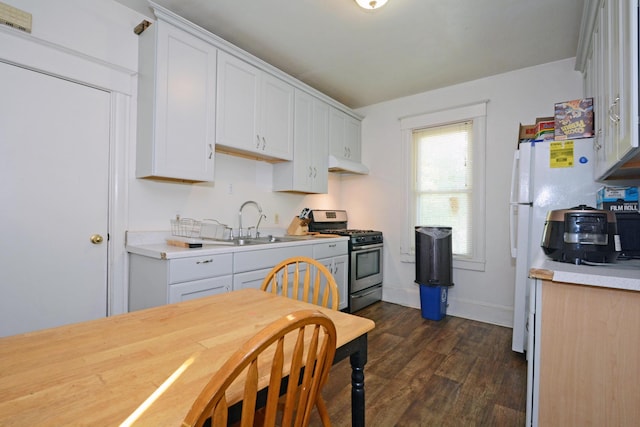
23 50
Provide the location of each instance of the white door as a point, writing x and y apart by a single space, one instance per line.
54 154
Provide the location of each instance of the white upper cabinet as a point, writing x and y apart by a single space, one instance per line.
176 105
344 134
307 173
608 56
254 113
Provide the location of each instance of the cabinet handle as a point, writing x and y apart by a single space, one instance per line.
346 154
596 141
206 261
210 151
614 115
264 143
349 152
332 245
315 172
257 142
310 172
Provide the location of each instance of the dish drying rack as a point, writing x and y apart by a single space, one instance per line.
205 229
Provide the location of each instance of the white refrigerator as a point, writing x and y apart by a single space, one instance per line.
545 176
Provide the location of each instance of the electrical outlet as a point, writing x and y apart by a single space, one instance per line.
276 219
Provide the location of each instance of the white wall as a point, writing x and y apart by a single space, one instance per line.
103 29
376 202
153 203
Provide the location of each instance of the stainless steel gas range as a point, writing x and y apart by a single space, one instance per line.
365 256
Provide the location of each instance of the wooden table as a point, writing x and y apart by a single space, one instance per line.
147 367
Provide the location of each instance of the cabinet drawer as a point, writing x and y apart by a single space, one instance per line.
267 258
330 249
185 269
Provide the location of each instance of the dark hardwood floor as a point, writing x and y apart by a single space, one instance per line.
452 372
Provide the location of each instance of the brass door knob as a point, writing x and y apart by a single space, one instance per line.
96 239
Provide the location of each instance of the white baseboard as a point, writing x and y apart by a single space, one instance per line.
467 309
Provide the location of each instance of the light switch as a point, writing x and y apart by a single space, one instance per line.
15 17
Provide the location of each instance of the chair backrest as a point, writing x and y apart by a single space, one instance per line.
303 339
320 289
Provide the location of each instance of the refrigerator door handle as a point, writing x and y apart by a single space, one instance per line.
512 229
513 197
513 204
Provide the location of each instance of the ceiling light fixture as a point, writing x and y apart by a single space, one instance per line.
371 4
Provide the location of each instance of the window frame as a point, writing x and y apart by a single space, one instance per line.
477 113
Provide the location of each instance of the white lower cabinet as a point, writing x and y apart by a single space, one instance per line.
154 281
333 255
199 288
249 279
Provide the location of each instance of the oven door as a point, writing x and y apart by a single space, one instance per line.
365 266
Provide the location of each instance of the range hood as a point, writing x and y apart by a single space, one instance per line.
337 164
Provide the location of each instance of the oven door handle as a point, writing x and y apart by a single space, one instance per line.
366 247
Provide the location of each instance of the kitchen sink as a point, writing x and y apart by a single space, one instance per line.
246 241
265 240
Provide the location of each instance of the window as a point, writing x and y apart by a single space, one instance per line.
444 155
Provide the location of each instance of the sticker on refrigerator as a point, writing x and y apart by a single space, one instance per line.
561 154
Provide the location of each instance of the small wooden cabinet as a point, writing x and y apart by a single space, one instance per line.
307 173
586 365
176 105
254 111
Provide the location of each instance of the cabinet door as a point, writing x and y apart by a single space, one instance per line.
337 142
237 103
249 279
275 131
352 138
254 279
308 171
319 152
199 288
344 135
588 364
176 108
339 269
625 108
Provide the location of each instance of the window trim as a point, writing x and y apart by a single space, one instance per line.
477 113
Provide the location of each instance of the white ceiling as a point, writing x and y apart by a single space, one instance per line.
363 57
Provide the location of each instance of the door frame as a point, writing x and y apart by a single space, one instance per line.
26 51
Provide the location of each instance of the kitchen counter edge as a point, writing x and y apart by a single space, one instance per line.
165 251
622 275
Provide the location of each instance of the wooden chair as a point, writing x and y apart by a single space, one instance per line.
306 339
322 290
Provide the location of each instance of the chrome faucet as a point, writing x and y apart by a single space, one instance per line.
249 202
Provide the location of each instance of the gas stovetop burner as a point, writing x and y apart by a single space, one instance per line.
335 222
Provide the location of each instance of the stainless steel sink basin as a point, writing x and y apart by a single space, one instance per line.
245 241
265 240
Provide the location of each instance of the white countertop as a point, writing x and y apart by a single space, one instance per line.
625 274
153 244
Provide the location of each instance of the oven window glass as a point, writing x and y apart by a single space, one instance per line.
367 264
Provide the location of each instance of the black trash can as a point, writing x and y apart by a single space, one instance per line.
434 269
